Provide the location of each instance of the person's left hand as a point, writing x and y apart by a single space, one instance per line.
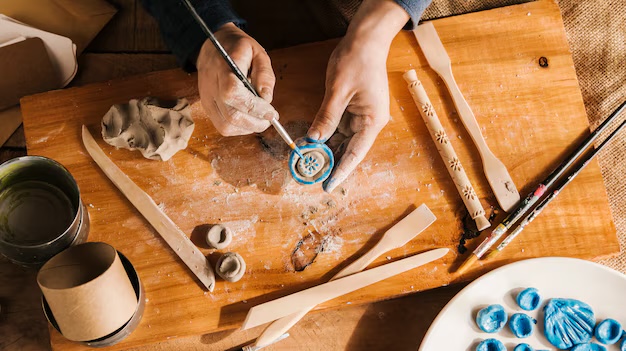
356 82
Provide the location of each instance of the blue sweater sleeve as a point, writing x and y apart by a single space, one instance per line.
180 31
415 9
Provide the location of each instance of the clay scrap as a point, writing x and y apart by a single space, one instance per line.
219 237
157 128
231 267
315 166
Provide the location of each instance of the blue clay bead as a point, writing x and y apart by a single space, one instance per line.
568 322
491 319
521 325
588 346
523 347
528 299
608 331
623 346
490 345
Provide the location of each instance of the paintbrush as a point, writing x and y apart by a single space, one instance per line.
525 205
233 66
534 213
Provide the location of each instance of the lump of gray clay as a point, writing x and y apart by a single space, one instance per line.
521 325
491 319
608 332
568 322
528 299
231 267
491 345
155 127
588 346
219 237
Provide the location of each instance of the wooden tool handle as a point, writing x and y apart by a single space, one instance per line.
308 298
446 151
169 231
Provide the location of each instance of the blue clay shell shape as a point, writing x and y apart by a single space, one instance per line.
608 331
491 345
528 299
568 322
491 319
588 347
304 147
523 347
521 325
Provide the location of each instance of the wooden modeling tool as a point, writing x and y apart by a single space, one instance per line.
497 175
169 231
525 205
242 77
311 297
446 151
553 194
397 236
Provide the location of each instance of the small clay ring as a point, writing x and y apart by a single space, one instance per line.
231 267
219 237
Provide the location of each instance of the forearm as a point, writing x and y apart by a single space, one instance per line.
377 22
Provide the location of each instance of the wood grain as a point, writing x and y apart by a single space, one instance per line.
532 117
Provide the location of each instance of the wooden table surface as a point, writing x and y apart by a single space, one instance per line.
398 324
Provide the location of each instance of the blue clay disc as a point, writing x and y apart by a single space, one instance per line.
315 166
490 345
523 347
568 322
528 299
608 331
521 325
623 346
491 319
588 346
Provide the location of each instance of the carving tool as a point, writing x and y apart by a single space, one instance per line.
169 231
497 175
242 77
397 236
311 297
524 206
446 151
553 194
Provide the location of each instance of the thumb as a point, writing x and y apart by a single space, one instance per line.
328 116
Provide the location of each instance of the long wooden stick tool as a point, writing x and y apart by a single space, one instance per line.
397 236
553 194
311 297
527 203
497 175
169 231
242 77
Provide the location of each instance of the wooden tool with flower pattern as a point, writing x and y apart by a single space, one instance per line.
453 164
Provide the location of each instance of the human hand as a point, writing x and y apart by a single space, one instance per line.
232 108
356 82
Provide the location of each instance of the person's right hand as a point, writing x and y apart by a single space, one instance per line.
232 108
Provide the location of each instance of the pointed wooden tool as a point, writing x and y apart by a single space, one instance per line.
400 234
497 175
311 297
169 231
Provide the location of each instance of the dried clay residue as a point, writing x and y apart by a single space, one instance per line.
310 246
469 228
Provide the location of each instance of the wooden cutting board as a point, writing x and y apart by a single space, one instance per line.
531 116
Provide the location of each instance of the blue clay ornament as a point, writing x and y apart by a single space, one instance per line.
491 345
315 166
528 299
521 325
588 346
623 345
491 319
608 331
568 322
523 347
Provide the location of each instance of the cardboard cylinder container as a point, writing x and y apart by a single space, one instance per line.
88 291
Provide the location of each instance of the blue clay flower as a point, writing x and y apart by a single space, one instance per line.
608 331
521 325
491 319
588 346
523 347
568 322
490 345
528 299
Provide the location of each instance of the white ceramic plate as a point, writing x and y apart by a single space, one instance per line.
602 288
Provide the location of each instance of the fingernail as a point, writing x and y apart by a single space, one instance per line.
330 185
313 136
266 93
271 115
